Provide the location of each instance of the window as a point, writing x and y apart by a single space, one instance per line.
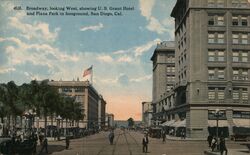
211 74
244 21
220 3
236 95
244 39
244 74
244 94
211 3
221 74
221 94
236 56
235 74
173 69
235 38
211 94
243 3
211 38
211 20
220 38
79 89
220 20
221 56
235 21
240 3
168 69
241 114
222 115
244 56
211 56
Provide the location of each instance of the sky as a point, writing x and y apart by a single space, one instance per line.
63 46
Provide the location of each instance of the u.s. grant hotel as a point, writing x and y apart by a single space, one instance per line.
212 67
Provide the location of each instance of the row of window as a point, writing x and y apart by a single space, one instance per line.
219 94
219 74
219 20
219 55
222 114
221 3
170 69
170 59
170 78
69 89
219 38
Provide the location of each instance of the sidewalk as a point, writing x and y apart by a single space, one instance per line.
186 139
230 152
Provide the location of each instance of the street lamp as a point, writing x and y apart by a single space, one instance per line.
58 118
217 114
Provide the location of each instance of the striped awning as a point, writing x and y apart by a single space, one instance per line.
221 123
168 123
240 122
178 124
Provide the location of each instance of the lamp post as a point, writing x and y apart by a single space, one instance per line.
217 114
58 118
29 120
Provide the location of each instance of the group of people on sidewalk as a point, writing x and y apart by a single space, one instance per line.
217 144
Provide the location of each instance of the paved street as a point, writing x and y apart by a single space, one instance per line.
129 143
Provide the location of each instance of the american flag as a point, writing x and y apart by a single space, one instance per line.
87 71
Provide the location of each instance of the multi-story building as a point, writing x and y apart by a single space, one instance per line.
85 94
163 78
109 120
212 53
101 112
147 112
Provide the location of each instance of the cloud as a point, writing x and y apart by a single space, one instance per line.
146 8
37 30
93 27
6 70
156 26
124 59
105 58
141 49
141 79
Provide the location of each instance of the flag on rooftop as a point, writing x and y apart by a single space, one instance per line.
87 71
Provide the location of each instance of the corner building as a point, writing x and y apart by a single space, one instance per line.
89 98
212 54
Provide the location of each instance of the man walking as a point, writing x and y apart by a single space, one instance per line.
67 140
223 146
145 143
111 137
163 136
44 146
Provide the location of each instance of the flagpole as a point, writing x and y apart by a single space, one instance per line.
92 75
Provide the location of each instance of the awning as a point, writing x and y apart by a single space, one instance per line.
180 123
239 122
221 123
168 123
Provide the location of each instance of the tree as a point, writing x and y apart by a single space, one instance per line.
130 122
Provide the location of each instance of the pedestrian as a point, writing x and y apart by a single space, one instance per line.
111 137
163 136
182 134
223 146
44 146
213 143
145 143
67 140
209 140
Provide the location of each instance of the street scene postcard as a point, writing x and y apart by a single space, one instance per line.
124 77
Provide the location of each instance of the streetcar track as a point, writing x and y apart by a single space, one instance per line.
130 152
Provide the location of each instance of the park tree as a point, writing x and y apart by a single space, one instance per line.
130 122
